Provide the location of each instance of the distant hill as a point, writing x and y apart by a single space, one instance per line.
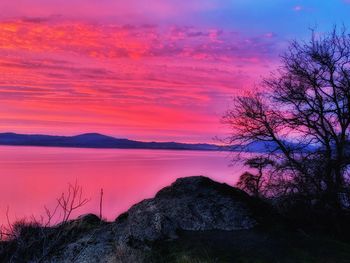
95 140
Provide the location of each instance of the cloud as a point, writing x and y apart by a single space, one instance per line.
298 8
133 79
110 41
132 10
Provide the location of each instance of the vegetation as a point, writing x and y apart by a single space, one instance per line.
36 238
303 118
255 184
250 246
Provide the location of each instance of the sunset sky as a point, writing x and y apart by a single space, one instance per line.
148 70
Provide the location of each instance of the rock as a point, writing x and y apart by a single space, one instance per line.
89 219
192 203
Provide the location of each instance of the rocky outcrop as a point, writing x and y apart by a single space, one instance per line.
192 203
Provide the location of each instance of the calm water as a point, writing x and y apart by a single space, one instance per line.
32 177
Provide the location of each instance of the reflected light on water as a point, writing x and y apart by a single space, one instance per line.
32 177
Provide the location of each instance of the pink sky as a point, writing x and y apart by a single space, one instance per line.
148 70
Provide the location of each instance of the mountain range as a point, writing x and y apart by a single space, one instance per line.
96 140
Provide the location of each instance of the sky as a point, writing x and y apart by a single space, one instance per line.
156 70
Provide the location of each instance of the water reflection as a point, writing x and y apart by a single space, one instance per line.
32 177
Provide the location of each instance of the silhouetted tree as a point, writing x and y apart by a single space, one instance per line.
303 116
255 184
71 201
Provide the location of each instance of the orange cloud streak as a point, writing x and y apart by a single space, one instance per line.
144 82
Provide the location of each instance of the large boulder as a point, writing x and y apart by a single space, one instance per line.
192 203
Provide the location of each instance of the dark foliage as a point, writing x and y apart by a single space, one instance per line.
303 116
